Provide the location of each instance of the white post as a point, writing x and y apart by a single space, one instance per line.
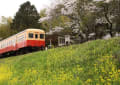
50 43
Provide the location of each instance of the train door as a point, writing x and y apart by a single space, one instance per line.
14 43
36 38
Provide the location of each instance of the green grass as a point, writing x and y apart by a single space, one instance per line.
92 63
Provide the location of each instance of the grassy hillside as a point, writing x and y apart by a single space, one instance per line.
92 63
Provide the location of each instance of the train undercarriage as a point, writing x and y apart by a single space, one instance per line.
21 51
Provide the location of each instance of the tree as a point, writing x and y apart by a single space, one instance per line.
116 13
82 15
26 17
5 30
53 18
44 23
57 18
86 13
110 12
93 16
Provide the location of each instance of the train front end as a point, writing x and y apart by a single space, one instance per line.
35 38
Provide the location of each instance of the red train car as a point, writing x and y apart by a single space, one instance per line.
24 39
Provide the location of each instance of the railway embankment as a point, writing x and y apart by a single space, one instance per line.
91 63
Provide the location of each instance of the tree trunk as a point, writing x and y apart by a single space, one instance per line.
109 26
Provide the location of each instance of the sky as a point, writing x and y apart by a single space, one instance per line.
10 7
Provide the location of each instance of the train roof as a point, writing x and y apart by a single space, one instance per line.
32 29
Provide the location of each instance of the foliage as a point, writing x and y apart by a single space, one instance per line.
26 17
5 30
45 24
92 16
43 13
91 63
55 17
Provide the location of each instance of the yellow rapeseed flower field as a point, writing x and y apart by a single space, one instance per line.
90 63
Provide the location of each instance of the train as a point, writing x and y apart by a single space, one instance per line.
23 42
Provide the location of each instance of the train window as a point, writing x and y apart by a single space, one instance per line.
36 35
41 36
21 38
30 35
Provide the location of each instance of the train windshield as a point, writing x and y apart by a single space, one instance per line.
30 35
41 36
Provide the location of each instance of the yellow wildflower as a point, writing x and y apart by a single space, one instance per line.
109 79
89 80
119 70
